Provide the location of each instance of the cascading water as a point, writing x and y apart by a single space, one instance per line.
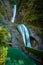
25 34
14 14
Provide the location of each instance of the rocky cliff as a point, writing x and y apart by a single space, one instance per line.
29 12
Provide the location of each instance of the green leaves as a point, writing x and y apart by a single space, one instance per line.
38 53
12 2
4 35
2 10
3 54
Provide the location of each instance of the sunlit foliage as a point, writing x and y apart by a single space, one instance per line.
4 35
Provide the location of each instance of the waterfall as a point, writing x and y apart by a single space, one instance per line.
25 34
14 14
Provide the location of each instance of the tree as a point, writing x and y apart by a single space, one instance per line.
4 35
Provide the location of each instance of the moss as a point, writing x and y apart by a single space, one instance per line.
12 2
3 54
4 35
2 10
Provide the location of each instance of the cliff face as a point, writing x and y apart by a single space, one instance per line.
29 12
5 9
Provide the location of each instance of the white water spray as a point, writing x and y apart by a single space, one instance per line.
25 34
14 14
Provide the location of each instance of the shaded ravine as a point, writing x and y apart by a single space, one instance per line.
13 32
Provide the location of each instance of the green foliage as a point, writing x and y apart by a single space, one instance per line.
12 2
3 54
3 11
32 13
34 10
4 35
38 7
37 53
